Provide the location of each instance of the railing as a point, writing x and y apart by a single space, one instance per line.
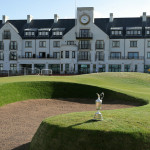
99 57
84 58
38 57
13 47
126 57
99 46
84 35
84 46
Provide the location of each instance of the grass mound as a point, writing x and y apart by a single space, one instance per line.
78 131
121 129
18 91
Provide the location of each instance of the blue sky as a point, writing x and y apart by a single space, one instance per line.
40 9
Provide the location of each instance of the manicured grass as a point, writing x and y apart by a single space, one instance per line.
121 129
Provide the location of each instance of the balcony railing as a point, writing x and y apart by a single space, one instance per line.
13 47
84 57
84 35
99 57
99 46
84 46
126 57
38 57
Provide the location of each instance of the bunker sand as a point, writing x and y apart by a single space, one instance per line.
19 121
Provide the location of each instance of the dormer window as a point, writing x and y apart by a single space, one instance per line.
57 33
147 30
133 31
29 33
43 33
6 35
116 31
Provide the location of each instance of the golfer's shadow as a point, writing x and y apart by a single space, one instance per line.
89 121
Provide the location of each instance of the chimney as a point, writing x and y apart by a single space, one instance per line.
29 18
144 17
56 18
111 17
4 18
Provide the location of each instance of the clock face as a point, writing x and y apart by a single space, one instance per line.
84 19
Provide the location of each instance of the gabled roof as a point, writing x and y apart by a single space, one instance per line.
21 25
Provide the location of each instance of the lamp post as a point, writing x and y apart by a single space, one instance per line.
98 115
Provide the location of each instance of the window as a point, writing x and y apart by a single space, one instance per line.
99 44
115 55
101 68
67 54
66 68
29 33
84 33
61 54
43 33
83 56
55 68
1 45
57 33
28 44
126 68
61 67
148 55
114 68
115 43
147 32
1 56
6 35
136 68
133 55
42 44
148 43
116 32
70 43
133 43
13 67
13 45
42 54
133 32
1 66
94 68
56 55
85 44
13 56
73 54
28 55
56 44
146 68
100 56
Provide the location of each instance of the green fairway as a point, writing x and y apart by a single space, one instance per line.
121 129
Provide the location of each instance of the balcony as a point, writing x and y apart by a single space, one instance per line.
38 57
84 46
99 46
126 58
99 57
84 57
84 35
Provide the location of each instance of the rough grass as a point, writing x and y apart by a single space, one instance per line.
121 129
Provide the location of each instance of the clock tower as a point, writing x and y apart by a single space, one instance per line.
84 17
